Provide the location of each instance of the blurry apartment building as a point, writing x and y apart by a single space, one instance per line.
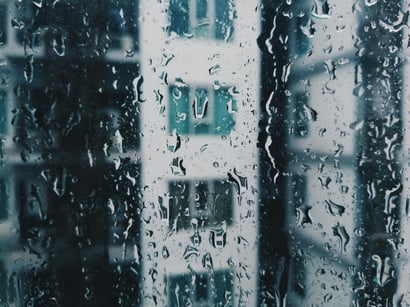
128 147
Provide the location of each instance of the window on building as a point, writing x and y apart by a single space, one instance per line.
122 23
4 200
302 114
201 110
209 202
303 31
3 24
4 112
201 289
3 282
211 19
26 26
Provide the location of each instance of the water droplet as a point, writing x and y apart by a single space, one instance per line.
356 125
303 216
342 235
166 59
137 89
177 167
344 189
285 73
200 104
331 69
196 238
391 144
308 29
129 53
326 90
117 141
217 85
325 181
165 252
333 208
17 24
327 298
190 251
217 237
310 113
180 83
110 205
397 25
384 270
173 142
115 84
207 262
88 293
59 46
28 69
203 148
391 197
239 181
59 183
38 3
339 150
214 69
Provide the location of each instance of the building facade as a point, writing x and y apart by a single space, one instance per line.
200 65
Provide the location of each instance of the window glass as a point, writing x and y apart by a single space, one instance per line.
179 17
200 204
206 19
201 111
204 153
224 18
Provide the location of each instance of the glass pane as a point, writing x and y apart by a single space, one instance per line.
204 153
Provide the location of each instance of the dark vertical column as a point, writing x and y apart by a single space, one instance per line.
273 248
379 85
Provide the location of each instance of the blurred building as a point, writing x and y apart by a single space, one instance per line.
343 180
70 153
322 112
201 66
79 126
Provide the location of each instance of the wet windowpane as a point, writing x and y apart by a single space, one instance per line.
204 153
